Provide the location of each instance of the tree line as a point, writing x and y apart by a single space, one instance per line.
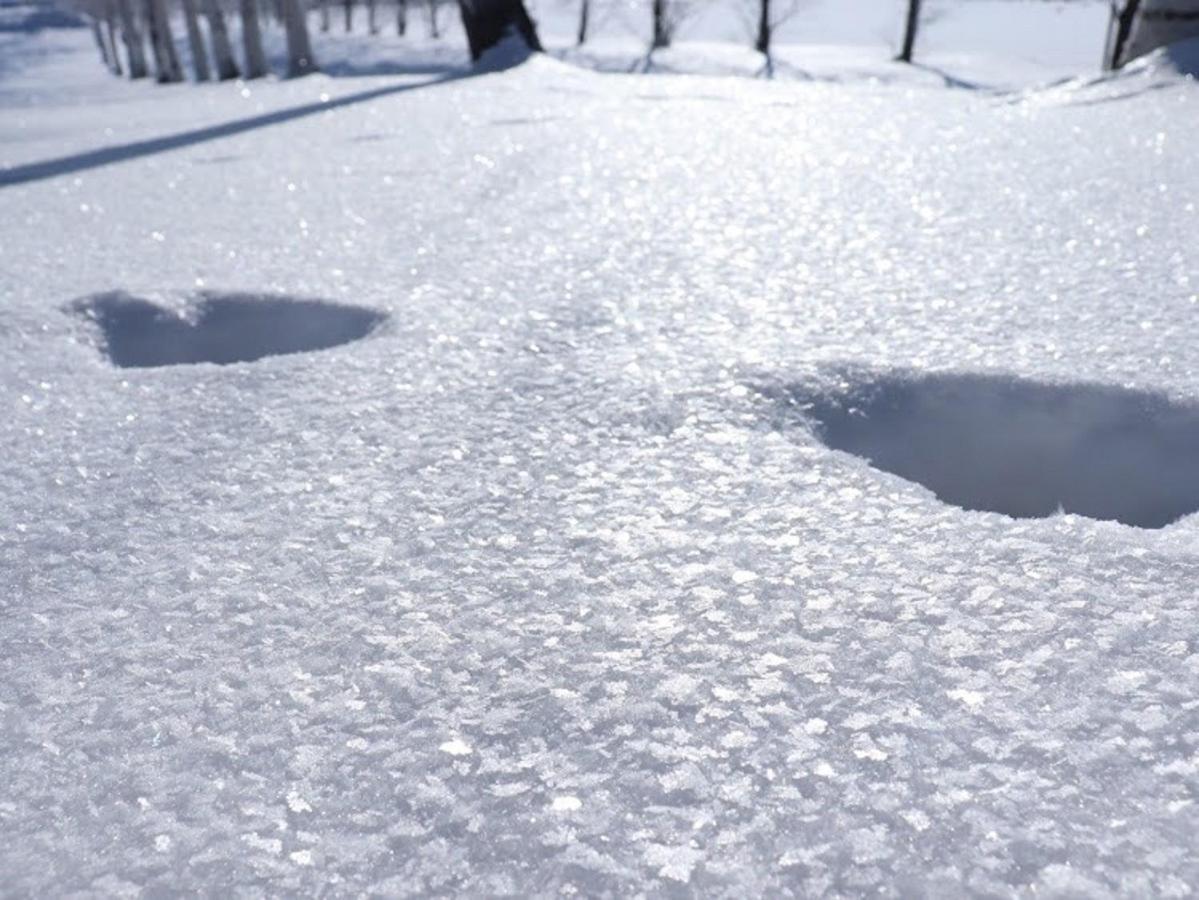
134 25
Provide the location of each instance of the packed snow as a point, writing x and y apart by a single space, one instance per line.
544 577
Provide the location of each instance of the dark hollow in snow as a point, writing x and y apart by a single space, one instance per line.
1023 448
221 328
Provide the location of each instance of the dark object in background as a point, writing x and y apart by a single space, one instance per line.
487 22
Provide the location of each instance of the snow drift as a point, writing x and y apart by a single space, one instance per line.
1178 59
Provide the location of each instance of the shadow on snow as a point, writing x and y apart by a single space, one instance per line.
1023 448
220 328
103 156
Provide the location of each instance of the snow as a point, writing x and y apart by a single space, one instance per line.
1022 448
219 328
538 587
1181 58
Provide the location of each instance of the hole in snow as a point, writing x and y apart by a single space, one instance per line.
220 328
1023 448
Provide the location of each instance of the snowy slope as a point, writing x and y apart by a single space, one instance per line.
550 584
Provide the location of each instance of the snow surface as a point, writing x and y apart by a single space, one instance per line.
539 588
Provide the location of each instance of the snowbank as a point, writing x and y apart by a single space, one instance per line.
1178 59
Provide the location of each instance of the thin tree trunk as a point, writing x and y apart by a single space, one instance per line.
300 60
324 15
251 34
113 49
401 17
372 24
349 10
99 36
584 15
135 49
762 44
174 69
661 36
152 36
195 41
222 51
434 24
166 61
911 26
487 22
1124 22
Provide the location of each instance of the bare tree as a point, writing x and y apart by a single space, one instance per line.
771 14
372 23
195 41
911 26
765 29
433 11
663 34
251 35
162 43
401 17
349 9
487 22
98 34
222 52
1122 20
131 36
666 17
114 53
300 60
584 16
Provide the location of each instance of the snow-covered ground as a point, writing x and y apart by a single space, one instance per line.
550 583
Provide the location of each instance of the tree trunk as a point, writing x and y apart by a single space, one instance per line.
911 26
166 61
170 55
401 17
762 44
349 8
324 15
584 15
300 60
195 41
99 36
1124 22
1146 25
661 36
135 49
152 37
372 24
222 51
113 49
487 22
251 34
433 7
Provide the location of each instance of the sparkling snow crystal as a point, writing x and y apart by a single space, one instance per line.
553 584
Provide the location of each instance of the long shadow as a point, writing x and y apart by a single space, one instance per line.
346 68
952 81
91 159
1127 95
